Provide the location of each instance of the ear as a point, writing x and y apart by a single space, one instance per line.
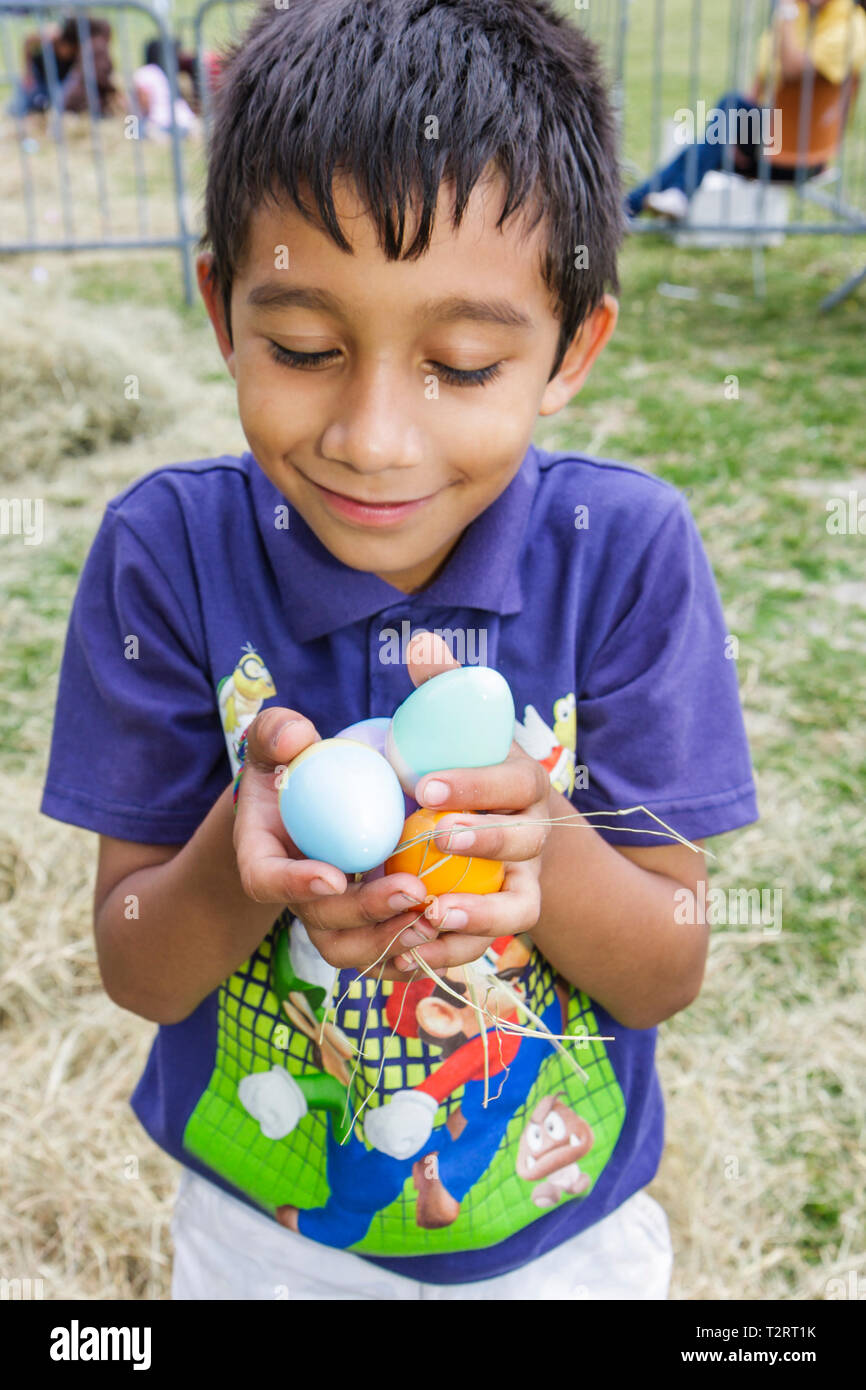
438 1018
213 302
584 348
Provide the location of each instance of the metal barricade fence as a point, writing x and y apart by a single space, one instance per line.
667 60
98 179
679 58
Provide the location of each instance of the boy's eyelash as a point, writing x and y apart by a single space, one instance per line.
479 377
452 375
288 358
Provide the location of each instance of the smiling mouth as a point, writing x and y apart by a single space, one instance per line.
370 512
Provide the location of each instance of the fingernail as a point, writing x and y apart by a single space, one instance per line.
281 730
435 793
461 839
417 935
321 885
454 918
400 901
404 962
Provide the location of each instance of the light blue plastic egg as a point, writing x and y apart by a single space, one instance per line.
375 732
460 718
341 802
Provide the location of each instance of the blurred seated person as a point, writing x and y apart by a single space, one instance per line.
153 93
106 99
35 90
811 54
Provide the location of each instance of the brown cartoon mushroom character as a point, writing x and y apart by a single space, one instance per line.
552 1142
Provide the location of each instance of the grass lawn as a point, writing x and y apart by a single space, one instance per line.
756 410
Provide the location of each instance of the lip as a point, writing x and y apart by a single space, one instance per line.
371 513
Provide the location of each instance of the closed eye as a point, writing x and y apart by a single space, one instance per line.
287 358
479 377
309 361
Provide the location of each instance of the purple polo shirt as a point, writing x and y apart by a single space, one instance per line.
205 597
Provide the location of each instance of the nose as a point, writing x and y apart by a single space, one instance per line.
374 425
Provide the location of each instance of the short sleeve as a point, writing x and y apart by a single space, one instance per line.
838 49
659 722
137 750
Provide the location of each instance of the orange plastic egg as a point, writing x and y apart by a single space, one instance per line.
442 872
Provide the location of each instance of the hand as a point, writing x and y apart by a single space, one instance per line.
516 791
351 924
401 1127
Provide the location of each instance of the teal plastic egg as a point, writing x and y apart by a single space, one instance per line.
341 802
460 718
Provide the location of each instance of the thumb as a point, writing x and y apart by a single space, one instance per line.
427 655
277 735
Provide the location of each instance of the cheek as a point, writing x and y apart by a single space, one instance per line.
269 410
503 435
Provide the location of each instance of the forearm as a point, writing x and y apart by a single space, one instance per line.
609 926
190 925
792 58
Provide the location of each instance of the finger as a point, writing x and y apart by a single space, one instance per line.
277 735
427 655
514 909
514 785
493 836
268 876
441 954
369 904
367 948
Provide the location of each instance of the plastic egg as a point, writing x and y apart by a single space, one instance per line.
442 872
375 733
460 718
341 802
370 731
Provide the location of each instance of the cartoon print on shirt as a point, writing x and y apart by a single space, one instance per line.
401 1131
555 748
445 1160
399 1123
240 696
554 1138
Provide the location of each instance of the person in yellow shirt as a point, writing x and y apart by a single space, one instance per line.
808 63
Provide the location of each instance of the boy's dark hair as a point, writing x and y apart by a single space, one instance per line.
329 87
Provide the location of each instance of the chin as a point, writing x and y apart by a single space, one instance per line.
373 556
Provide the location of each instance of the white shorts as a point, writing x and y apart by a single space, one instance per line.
223 1249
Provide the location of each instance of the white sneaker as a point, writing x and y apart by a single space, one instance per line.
668 202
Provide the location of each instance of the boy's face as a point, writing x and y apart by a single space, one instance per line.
382 450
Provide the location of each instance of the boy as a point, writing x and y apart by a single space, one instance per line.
393 339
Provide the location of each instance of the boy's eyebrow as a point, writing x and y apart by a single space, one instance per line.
275 294
479 310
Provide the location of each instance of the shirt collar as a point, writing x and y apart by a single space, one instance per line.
321 594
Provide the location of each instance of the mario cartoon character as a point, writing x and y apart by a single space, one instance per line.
552 1142
444 1161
